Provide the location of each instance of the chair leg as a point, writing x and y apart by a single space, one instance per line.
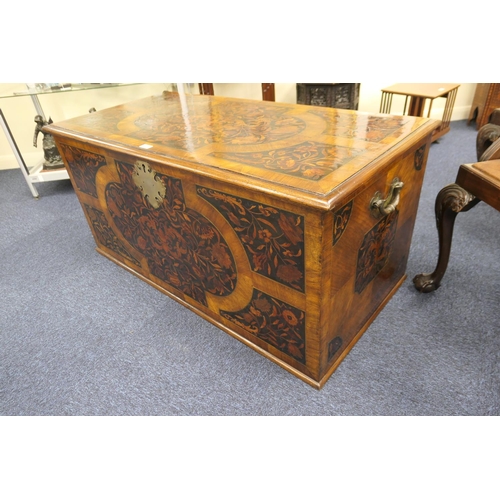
451 200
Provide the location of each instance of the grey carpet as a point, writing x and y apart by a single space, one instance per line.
81 336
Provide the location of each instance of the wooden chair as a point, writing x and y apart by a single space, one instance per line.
475 182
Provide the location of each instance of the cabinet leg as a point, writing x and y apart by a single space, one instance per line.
451 200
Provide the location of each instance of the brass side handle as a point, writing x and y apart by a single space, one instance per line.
380 206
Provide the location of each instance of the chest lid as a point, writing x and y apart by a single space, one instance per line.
304 153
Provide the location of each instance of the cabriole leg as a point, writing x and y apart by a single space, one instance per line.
451 200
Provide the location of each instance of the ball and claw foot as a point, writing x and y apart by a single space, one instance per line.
425 283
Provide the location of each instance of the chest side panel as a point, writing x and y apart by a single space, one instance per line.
367 254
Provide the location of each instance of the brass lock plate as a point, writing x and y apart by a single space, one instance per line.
151 186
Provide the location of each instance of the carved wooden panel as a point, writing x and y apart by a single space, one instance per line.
332 95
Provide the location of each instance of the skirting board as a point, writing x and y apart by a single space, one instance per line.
9 161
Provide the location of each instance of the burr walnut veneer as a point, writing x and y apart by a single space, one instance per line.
287 226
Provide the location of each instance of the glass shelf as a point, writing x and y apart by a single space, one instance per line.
55 88
33 90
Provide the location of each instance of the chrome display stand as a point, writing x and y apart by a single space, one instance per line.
37 173
17 154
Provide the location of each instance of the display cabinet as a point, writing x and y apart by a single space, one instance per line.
330 95
37 173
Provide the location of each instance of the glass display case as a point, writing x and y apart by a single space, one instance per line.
37 173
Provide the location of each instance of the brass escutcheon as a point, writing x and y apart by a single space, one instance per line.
380 206
152 188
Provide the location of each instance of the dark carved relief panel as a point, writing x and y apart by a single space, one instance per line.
318 96
342 97
273 239
183 248
275 322
340 220
105 234
418 160
336 95
374 251
84 166
309 160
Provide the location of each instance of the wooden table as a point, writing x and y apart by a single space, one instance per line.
419 93
287 226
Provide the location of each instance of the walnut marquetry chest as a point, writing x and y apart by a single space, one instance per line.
287 226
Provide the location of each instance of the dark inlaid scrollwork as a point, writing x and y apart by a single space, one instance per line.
418 159
182 247
369 128
309 160
225 122
273 321
333 347
374 251
273 239
84 166
340 220
105 234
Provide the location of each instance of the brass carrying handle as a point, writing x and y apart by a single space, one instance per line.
379 206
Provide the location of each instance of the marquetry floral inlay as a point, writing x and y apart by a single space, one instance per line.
275 322
375 250
308 160
182 247
418 160
202 123
84 166
371 128
105 234
340 220
273 239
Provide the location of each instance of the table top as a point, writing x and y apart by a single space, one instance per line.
427 90
303 152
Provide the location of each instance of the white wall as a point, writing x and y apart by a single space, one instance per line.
369 99
20 112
